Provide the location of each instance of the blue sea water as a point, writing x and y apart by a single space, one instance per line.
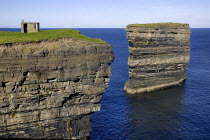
180 112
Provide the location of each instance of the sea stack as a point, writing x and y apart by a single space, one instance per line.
50 87
159 56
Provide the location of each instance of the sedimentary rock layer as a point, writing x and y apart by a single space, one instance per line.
48 89
159 56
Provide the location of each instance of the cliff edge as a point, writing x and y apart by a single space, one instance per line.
159 56
51 84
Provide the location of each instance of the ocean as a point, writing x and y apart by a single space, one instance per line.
180 112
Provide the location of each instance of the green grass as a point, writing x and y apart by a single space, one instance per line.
166 24
15 37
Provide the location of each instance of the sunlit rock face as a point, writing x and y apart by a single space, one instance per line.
159 56
49 89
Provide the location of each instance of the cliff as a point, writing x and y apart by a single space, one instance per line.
159 56
49 88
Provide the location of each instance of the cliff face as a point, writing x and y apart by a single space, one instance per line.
49 89
159 56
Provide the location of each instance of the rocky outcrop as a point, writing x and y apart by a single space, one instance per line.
159 56
48 89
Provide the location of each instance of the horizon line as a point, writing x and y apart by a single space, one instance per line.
83 27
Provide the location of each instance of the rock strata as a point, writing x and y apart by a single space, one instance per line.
159 56
48 89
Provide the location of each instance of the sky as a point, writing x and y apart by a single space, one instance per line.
103 13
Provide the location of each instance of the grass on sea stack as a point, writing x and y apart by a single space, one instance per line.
159 25
15 37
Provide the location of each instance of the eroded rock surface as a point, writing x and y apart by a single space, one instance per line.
159 56
49 89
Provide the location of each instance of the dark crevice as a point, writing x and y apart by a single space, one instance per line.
51 80
4 106
76 80
4 84
68 98
24 78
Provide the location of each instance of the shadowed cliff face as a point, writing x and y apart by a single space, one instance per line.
49 89
158 58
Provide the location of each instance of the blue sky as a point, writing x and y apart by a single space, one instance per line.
103 13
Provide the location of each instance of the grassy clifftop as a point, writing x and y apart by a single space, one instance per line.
158 25
15 37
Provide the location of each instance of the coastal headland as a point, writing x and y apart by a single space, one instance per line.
51 82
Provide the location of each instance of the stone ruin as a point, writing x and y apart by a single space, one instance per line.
29 27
